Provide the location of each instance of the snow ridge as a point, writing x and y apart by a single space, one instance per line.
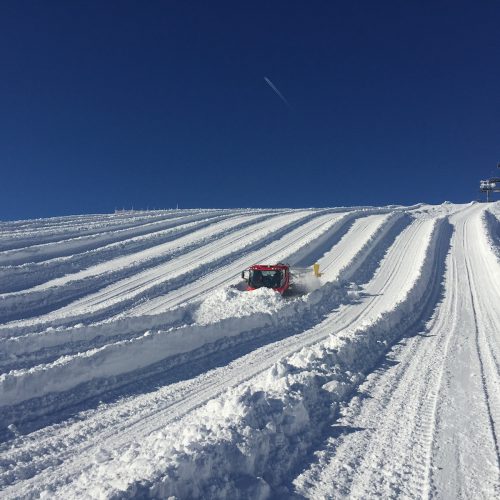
47 296
259 431
160 377
27 275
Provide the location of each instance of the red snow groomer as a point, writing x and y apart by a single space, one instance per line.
276 276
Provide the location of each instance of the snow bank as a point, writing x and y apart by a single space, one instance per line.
61 291
26 342
245 443
222 304
248 313
65 340
491 224
219 316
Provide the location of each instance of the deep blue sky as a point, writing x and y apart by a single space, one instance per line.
108 104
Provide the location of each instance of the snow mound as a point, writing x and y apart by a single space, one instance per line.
232 303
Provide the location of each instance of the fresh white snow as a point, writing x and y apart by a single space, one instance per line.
133 364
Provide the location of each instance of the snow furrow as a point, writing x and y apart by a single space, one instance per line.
163 278
352 261
381 444
293 247
19 277
279 225
66 289
70 246
13 246
137 348
31 348
240 420
421 426
146 405
382 382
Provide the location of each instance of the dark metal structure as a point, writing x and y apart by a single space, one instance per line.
491 185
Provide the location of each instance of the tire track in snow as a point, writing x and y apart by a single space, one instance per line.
376 248
66 289
167 277
107 349
402 439
448 310
13 248
493 287
30 349
258 361
381 444
481 341
18 277
249 370
466 454
393 458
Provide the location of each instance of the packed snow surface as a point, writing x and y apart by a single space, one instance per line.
133 363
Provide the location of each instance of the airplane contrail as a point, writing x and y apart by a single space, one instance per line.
278 93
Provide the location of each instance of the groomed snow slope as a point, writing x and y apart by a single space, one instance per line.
132 364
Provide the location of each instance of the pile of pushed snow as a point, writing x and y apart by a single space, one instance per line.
232 303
